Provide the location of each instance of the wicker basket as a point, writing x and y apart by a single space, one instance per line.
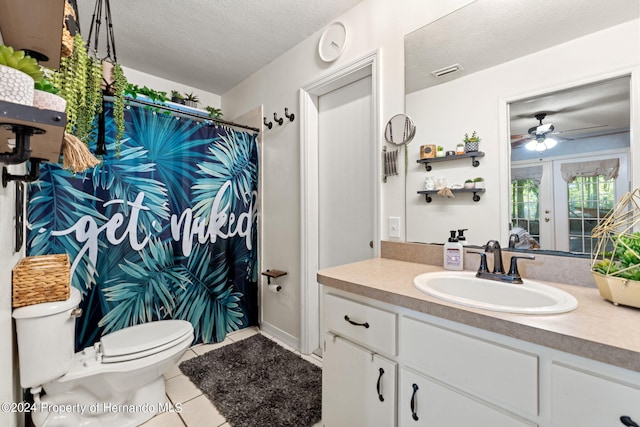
39 279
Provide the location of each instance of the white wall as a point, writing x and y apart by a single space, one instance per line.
449 110
162 85
373 25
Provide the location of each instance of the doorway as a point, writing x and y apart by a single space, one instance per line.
339 174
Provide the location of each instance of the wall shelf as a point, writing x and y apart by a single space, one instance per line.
475 191
48 129
473 155
34 25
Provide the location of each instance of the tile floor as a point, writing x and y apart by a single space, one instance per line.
196 409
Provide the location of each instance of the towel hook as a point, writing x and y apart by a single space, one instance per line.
269 125
278 120
291 116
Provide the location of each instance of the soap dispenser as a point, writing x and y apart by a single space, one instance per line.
461 237
453 253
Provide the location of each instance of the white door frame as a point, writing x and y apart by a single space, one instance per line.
309 94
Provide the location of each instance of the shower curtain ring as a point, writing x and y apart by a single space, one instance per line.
278 120
268 125
287 115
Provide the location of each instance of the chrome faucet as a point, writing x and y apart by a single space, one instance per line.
513 276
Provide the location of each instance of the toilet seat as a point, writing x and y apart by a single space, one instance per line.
142 340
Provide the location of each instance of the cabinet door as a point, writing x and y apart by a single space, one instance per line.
425 402
582 399
358 387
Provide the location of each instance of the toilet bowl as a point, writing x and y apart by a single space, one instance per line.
117 382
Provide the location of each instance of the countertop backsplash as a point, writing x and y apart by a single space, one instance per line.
553 268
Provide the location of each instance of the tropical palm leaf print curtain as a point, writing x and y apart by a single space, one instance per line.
166 229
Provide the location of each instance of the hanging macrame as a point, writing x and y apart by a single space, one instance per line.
113 79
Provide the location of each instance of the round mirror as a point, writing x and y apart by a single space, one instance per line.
400 130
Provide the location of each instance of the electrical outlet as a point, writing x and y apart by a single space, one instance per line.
394 227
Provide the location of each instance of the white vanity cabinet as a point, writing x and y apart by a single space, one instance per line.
358 386
424 402
447 374
582 398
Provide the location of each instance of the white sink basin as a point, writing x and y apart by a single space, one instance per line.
464 288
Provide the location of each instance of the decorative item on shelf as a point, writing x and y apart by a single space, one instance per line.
45 96
427 151
18 74
191 100
478 182
449 153
440 151
42 278
468 184
471 143
460 148
429 183
177 97
615 258
214 113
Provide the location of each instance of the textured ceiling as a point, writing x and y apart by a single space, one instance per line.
486 33
210 44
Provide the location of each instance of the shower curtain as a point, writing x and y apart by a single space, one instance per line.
164 229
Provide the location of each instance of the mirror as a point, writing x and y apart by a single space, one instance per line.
400 130
460 80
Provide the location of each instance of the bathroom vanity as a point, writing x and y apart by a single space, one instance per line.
396 356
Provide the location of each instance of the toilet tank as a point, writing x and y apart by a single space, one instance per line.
46 334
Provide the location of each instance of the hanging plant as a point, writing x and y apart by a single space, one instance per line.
119 85
78 81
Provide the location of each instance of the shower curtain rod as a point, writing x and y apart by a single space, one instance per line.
185 113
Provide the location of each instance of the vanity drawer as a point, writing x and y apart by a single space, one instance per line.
499 374
583 399
369 326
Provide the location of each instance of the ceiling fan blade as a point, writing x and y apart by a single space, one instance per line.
520 142
579 129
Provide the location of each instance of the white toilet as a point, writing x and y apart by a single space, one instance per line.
118 382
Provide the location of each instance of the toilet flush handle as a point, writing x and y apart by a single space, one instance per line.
76 312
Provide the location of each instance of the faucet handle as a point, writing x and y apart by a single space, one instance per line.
483 261
513 267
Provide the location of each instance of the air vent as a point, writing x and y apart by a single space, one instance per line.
447 70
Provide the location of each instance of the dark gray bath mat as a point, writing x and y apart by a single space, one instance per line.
257 383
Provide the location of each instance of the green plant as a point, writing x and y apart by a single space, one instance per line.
20 61
176 94
440 148
473 138
191 97
78 79
478 179
120 83
46 85
214 113
154 95
468 181
624 261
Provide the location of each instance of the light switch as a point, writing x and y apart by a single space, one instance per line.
394 227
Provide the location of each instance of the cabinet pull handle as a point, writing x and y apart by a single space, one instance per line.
378 385
414 415
365 324
628 421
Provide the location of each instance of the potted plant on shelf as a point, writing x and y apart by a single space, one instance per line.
478 182
214 113
46 96
177 97
471 143
440 151
18 74
468 184
615 258
460 148
191 100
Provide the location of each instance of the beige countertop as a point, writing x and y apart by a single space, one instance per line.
597 329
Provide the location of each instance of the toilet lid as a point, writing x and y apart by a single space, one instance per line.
143 340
